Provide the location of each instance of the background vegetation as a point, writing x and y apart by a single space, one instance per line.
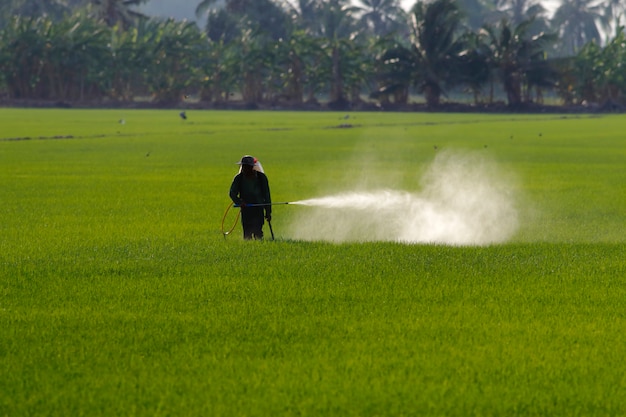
119 295
272 53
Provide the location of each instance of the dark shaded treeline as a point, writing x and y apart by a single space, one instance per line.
262 55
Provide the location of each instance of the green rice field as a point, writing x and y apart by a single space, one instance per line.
477 266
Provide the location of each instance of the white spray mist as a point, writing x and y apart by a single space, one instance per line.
464 200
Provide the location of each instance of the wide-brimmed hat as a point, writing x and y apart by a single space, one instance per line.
247 160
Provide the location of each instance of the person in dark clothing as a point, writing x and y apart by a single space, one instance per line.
249 188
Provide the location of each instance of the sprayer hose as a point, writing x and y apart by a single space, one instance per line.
224 219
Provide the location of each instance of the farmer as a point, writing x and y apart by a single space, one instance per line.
249 188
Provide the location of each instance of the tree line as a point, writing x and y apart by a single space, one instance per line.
266 51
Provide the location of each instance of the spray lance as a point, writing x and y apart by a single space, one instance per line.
233 205
261 204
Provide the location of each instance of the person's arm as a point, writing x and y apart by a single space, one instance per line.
235 191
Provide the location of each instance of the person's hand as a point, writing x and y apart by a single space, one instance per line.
268 217
242 204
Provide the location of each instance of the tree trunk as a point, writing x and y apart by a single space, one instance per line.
432 95
512 86
296 90
336 92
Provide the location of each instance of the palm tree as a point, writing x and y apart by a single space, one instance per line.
516 11
437 46
615 9
265 15
336 19
432 61
382 17
338 29
307 64
304 14
121 12
332 23
174 50
222 26
578 22
475 64
204 7
477 13
519 57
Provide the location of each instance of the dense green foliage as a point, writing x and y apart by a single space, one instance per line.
119 295
271 53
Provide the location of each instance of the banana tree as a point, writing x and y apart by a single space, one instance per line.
173 48
612 85
253 59
130 61
357 66
289 65
42 59
217 78
595 74
76 50
325 27
23 55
